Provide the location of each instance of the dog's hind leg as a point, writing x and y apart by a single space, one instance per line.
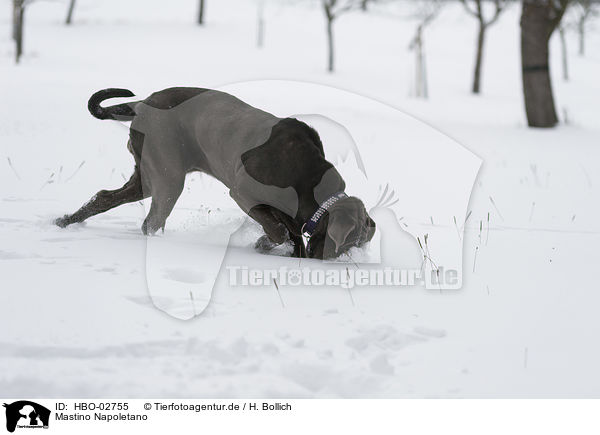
165 193
107 199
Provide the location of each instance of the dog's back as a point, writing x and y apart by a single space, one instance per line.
200 129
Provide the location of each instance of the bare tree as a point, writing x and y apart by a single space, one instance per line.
539 19
260 23
425 13
475 8
201 12
18 29
563 51
333 9
69 18
575 17
584 10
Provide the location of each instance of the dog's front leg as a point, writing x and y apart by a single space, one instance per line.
298 243
276 232
266 243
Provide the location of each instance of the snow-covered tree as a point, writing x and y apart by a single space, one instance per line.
425 12
332 10
564 51
260 23
476 8
583 10
576 17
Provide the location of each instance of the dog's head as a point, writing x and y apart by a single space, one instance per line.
345 225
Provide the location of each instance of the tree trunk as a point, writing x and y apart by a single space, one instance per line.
18 17
563 49
420 74
70 13
201 12
330 44
15 19
260 25
478 59
538 21
424 71
581 32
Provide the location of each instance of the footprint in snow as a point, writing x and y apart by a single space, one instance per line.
382 337
381 365
430 332
184 275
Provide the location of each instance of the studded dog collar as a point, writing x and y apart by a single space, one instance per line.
311 224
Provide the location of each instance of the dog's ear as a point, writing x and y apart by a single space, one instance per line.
370 222
338 228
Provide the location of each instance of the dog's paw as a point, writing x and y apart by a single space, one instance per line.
264 244
149 228
62 221
298 251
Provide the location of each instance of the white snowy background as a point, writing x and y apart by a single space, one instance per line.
75 313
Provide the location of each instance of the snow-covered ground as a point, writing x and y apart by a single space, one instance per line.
75 309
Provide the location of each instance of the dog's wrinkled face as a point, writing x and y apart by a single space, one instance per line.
346 225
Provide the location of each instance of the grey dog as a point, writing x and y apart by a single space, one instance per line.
275 168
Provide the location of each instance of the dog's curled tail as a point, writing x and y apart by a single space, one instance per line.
120 112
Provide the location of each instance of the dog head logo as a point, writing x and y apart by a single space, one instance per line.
26 414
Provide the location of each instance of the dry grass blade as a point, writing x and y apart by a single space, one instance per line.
456 226
76 171
193 303
532 209
487 235
349 290
496 207
13 168
50 180
278 293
